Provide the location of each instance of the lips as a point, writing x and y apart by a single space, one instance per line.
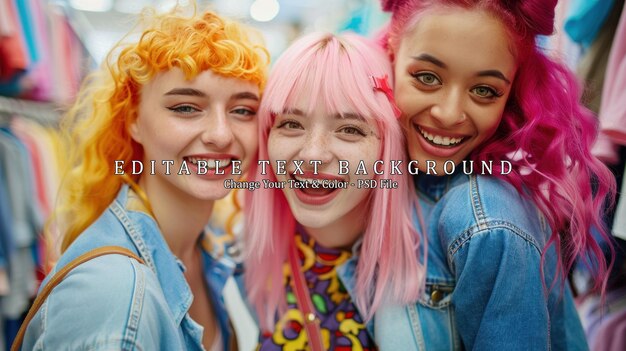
210 163
309 190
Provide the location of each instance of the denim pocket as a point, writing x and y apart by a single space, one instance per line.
437 294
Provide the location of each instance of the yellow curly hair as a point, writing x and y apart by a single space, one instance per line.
96 126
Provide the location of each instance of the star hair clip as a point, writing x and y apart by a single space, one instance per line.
382 84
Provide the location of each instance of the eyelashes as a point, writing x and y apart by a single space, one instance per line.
346 131
184 109
189 110
289 124
427 78
487 92
430 81
353 130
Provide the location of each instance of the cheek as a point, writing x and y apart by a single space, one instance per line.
170 131
154 138
369 153
489 124
405 124
403 95
248 136
413 102
275 147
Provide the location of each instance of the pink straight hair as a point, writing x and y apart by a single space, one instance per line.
332 71
545 132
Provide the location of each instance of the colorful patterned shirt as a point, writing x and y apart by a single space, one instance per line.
341 325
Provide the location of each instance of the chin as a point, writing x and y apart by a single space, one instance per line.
312 221
211 194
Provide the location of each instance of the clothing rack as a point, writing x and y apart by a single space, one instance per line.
42 112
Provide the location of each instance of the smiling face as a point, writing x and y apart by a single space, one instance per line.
327 137
208 118
453 77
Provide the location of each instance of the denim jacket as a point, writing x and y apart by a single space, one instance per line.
115 303
484 288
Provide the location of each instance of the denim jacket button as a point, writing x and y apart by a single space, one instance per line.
436 295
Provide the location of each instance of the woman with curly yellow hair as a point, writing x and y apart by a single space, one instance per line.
156 134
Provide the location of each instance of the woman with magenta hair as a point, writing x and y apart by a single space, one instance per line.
326 251
177 101
473 86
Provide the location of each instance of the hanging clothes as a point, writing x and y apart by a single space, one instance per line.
593 63
605 321
613 108
29 178
585 18
12 47
42 57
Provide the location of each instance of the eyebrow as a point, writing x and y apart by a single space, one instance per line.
493 73
245 95
348 115
488 73
430 58
186 92
195 92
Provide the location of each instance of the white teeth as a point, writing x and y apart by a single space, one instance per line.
210 163
440 140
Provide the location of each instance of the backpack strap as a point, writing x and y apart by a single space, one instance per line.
58 278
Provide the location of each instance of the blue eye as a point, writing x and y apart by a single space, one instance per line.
183 109
244 111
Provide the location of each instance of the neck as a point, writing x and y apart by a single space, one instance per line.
180 216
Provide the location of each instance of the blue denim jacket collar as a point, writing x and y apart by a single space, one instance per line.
434 187
156 253
217 269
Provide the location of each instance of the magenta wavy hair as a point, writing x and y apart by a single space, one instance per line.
545 132
339 69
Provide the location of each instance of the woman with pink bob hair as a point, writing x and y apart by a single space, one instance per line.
348 236
473 85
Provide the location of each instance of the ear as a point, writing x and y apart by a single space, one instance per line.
392 57
133 130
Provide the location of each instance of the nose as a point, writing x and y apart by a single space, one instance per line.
316 146
218 130
448 111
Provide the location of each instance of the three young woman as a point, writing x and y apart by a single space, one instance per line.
479 263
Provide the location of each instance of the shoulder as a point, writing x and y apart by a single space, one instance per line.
488 197
484 204
101 304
